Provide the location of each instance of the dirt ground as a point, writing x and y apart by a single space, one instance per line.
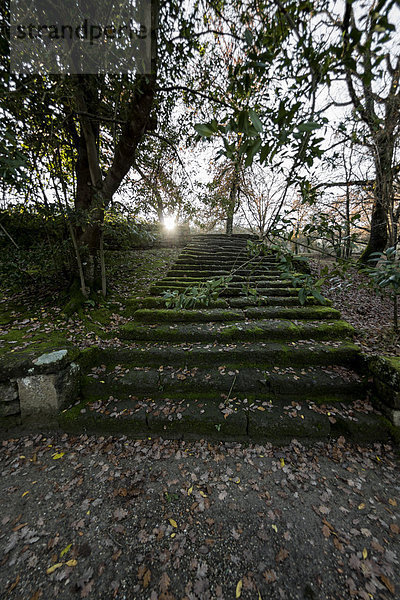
85 517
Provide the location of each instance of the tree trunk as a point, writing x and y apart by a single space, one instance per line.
383 199
233 194
229 221
347 244
94 190
89 215
160 209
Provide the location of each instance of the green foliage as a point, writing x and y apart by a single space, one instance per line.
328 228
288 263
249 292
123 230
384 272
199 295
35 246
40 263
240 136
384 269
42 249
306 286
13 162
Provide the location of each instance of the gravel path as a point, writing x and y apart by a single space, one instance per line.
117 518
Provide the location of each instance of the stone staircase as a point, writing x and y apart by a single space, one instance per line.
261 368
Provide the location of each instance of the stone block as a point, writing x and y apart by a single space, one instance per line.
387 394
48 393
50 358
387 369
9 403
394 416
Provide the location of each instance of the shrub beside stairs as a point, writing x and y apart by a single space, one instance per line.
243 368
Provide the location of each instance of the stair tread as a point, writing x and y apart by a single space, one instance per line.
205 314
280 328
233 419
271 354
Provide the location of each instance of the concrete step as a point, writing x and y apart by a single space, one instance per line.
289 383
225 255
159 289
158 302
196 278
232 356
207 315
243 301
188 261
221 253
238 419
249 283
257 330
201 271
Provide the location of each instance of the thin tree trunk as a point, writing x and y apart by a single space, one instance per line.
383 199
103 266
78 260
9 236
347 244
233 194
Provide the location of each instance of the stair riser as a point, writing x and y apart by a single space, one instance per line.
195 278
210 273
230 292
224 264
200 418
219 256
242 302
222 254
253 333
246 382
205 315
267 357
262 283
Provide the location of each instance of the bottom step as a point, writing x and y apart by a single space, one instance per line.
236 419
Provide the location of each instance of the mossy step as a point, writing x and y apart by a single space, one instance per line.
223 264
209 240
233 356
196 274
289 382
222 254
225 256
180 276
199 416
194 418
206 315
191 271
261 330
133 304
224 236
236 255
282 301
298 312
217 247
251 284
218 244
158 290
